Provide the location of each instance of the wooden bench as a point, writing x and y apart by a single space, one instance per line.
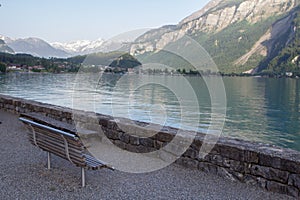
60 139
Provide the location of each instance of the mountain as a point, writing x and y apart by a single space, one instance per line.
118 43
36 47
5 39
83 47
80 46
284 51
4 48
119 62
41 48
240 35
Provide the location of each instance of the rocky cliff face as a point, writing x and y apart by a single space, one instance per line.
217 16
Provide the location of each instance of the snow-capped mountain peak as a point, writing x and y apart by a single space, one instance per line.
80 46
41 48
6 39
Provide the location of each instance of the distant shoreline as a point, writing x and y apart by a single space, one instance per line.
167 74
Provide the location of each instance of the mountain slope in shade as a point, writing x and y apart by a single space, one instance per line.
284 50
36 47
4 48
236 33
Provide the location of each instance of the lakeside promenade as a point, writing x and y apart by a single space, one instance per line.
24 176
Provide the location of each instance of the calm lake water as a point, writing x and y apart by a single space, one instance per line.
258 109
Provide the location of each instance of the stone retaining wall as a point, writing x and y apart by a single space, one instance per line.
267 166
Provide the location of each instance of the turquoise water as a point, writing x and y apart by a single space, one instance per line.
258 109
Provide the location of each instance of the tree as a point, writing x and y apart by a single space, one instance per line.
2 67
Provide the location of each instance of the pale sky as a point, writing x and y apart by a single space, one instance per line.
66 20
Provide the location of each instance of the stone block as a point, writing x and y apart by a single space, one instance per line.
294 180
251 156
270 173
113 125
103 122
134 140
147 142
269 160
230 152
124 137
290 165
196 145
282 188
235 165
135 149
114 135
164 137
191 153
159 144
214 159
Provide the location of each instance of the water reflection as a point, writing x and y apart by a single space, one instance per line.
258 109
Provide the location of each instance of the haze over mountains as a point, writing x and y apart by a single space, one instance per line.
40 48
240 35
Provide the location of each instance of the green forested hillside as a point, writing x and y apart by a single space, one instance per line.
224 47
233 42
125 61
113 59
241 36
288 58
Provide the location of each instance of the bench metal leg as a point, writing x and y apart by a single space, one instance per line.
49 160
83 177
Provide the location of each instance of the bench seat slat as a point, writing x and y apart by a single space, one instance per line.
93 163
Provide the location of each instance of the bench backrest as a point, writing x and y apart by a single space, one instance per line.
56 141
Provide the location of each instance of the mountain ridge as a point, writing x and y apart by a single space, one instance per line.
34 46
241 36
5 48
41 48
231 31
83 47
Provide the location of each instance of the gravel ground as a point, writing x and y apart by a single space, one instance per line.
24 176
